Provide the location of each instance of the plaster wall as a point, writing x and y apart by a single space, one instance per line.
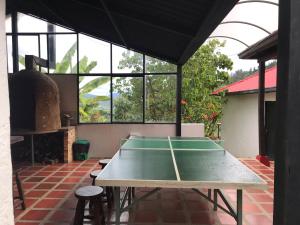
6 199
105 138
239 128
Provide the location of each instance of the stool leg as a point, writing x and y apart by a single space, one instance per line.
93 182
20 191
79 214
109 196
98 216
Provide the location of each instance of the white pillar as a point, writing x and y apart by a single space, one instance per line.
6 199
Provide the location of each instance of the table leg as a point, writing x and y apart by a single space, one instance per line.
215 200
239 207
117 204
32 149
209 193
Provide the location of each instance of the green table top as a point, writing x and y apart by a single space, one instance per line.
177 162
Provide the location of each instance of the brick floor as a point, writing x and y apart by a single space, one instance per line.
49 192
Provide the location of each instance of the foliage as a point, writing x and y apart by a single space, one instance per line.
159 91
205 71
242 74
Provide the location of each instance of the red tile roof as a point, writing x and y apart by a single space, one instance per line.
250 83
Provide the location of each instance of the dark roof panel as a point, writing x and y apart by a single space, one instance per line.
169 30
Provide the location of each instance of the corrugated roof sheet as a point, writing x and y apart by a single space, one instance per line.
250 83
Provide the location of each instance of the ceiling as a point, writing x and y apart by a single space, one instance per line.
169 30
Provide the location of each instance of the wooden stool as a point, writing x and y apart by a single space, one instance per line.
93 175
93 195
20 191
104 162
108 190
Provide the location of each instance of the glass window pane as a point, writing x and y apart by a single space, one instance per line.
9 54
160 105
94 99
66 53
126 61
8 24
94 55
27 45
154 65
31 24
128 99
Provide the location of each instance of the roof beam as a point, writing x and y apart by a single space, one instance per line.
113 22
136 20
219 10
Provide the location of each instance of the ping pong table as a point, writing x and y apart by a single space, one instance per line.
177 162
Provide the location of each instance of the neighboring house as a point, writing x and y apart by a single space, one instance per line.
239 128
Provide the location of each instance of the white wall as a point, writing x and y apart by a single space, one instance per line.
105 138
6 204
239 128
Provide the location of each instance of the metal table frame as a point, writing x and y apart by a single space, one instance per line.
120 202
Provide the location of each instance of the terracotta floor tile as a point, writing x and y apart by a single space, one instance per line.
258 220
226 219
27 185
72 179
35 215
262 198
145 217
267 207
43 173
171 205
69 204
197 205
174 217
34 179
35 194
53 179
63 215
46 186
61 174
65 186
79 173
202 218
251 208
47 203
57 194
56 187
30 201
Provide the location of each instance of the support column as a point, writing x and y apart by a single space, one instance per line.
178 100
15 50
261 115
287 141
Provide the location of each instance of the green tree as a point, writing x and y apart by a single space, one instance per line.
205 71
159 90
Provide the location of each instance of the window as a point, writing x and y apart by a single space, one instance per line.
65 47
94 55
28 45
127 99
94 99
126 61
160 105
154 65
116 85
9 54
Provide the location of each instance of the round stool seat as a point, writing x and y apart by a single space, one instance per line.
88 192
104 162
95 173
